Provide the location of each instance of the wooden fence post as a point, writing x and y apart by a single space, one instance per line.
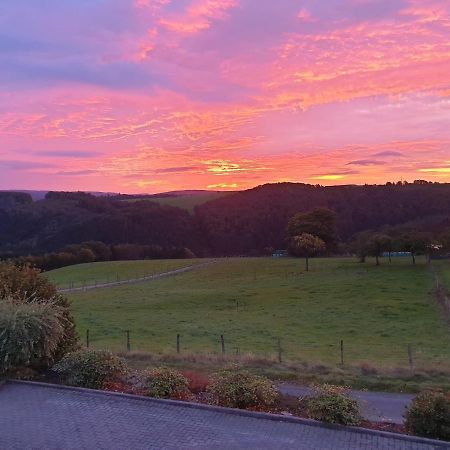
178 343
128 341
280 360
222 341
410 357
87 338
342 352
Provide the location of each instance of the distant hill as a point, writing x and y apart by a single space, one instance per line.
64 218
187 200
35 195
214 223
40 195
249 221
189 193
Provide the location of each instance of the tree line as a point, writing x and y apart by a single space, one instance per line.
62 228
96 251
315 233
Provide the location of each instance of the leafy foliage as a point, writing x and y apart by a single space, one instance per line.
90 368
30 334
332 404
429 415
306 245
64 218
239 223
415 242
22 286
237 388
320 223
444 239
249 221
164 382
377 244
87 252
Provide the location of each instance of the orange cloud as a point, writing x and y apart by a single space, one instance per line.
223 186
299 100
199 16
328 177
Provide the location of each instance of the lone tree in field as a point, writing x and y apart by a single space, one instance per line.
417 243
359 246
377 244
320 222
306 245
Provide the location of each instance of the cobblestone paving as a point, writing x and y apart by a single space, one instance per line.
36 417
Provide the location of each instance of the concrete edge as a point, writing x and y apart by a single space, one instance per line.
238 412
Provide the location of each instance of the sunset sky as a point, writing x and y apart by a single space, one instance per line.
159 95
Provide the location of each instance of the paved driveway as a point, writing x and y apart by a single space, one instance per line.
37 417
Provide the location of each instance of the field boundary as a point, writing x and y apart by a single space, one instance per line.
137 280
240 412
442 296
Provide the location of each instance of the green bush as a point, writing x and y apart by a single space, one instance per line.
164 382
90 368
25 285
237 388
332 404
30 334
429 415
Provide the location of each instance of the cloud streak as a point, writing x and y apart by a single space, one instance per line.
137 95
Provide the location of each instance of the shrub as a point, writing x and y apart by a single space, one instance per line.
197 382
333 404
29 334
237 388
24 285
164 382
90 368
429 415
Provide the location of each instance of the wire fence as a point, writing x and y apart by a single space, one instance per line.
342 352
118 279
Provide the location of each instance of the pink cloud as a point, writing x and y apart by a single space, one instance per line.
220 93
305 15
199 16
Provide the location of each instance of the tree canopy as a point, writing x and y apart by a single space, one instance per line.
320 222
306 245
377 244
241 223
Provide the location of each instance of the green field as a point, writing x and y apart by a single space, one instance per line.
253 302
109 272
443 272
188 202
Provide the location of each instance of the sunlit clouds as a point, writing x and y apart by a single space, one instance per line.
156 95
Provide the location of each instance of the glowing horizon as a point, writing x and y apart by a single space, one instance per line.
158 95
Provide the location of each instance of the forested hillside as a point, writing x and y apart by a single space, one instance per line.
241 223
251 220
66 218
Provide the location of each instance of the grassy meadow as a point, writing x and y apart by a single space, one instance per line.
253 302
109 272
187 202
442 269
